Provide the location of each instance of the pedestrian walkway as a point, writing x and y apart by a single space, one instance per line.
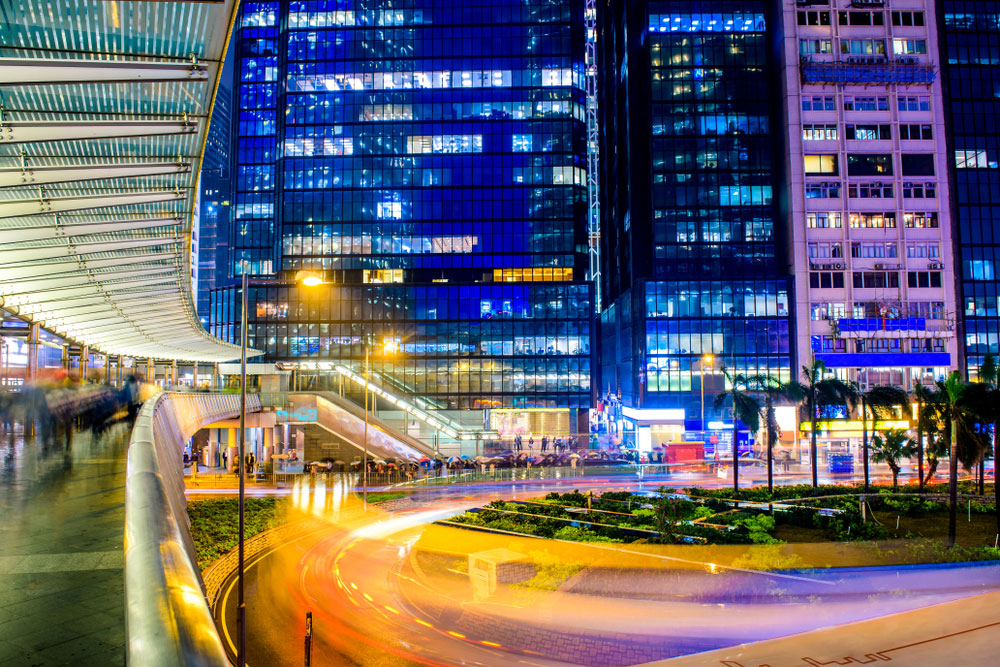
61 550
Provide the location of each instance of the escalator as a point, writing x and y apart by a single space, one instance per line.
412 405
346 421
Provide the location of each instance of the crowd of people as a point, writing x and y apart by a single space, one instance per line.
52 410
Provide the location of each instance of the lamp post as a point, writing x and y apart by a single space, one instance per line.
310 279
241 614
701 369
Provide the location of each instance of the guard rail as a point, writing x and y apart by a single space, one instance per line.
168 620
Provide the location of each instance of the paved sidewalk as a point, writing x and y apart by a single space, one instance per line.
61 551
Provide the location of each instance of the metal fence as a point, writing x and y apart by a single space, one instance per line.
168 621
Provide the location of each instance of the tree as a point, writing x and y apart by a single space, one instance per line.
936 446
879 399
984 396
773 390
891 449
957 413
820 391
922 396
746 409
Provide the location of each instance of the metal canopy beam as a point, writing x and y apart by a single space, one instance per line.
18 207
29 175
23 131
56 230
37 286
71 266
35 254
34 71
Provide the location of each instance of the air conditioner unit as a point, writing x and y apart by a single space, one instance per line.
855 60
934 265
907 60
837 266
880 266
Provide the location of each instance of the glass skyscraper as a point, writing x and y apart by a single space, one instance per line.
428 158
693 280
971 71
213 203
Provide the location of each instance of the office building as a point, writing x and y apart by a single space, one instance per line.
693 280
970 66
210 240
428 161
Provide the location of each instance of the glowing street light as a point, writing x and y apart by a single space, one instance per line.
707 359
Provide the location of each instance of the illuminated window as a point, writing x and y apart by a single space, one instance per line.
532 275
383 275
449 143
821 164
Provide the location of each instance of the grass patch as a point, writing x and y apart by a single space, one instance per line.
835 521
382 497
215 524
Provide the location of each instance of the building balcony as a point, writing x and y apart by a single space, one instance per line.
867 70
891 327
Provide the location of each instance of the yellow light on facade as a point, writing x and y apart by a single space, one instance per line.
309 278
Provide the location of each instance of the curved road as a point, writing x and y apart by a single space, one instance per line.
378 599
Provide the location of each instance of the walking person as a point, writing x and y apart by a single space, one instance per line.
545 443
531 444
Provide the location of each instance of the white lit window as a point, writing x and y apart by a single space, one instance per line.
521 143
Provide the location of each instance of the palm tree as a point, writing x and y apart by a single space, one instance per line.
956 407
984 395
922 396
891 449
879 399
773 390
820 391
746 409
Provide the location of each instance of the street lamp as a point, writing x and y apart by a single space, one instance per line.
389 346
707 359
241 614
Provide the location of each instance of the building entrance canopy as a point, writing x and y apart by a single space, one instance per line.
104 108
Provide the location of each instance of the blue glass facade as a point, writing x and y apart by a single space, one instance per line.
428 158
970 34
213 202
689 162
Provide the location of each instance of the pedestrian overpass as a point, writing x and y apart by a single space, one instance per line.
104 111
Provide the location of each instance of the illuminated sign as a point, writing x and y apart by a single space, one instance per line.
299 415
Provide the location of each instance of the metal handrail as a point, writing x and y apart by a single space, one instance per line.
168 620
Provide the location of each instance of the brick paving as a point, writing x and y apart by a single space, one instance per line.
61 551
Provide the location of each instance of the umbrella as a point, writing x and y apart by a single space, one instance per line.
465 457
574 455
339 463
453 459
425 459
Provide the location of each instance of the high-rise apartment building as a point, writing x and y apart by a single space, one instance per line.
970 64
693 280
867 190
428 160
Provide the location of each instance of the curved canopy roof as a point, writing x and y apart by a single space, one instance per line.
104 109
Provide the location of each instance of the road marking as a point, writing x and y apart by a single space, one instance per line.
232 584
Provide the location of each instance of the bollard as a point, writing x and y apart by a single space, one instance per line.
309 636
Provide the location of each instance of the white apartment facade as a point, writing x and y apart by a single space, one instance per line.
871 236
